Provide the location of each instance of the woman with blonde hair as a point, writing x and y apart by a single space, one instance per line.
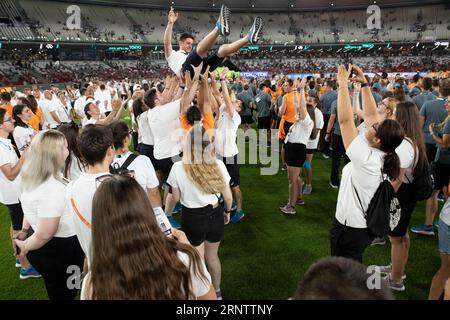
131 256
197 182
53 247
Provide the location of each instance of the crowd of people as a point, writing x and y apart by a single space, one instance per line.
112 206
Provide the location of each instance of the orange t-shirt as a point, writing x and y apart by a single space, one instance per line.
289 114
208 123
36 119
8 108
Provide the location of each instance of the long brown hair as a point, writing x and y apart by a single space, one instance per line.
199 162
391 135
131 257
407 115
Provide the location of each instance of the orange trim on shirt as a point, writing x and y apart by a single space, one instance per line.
86 223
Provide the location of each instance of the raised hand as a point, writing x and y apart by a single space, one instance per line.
173 16
303 83
223 73
359 74
205 75
343 73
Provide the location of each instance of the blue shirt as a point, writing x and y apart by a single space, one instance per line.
246 98
326 100
263 103
434 112
420 99
443 155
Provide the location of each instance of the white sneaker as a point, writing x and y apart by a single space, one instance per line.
288 209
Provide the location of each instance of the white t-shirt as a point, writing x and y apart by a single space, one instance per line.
48 200
79 105
144 173
166 128
405 152
82 191
225 134
176 60
362 173
9 190
199 286
191 196
312 144
64 111
47 107
445 213
300 131
76 168
145 133
85 121
23 136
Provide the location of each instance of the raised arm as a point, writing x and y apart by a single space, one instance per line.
356 107
191 88
369 105
225 93
345 112
171 18
302 112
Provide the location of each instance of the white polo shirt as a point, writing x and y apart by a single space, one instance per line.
85 121
225 134
48 200
145 133
312 143
144 173
64 111
9 190
300 131
165 125
176 60
82 192
362 173
23 136
47 107
80 103
191 196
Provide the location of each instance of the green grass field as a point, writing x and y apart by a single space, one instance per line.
265 255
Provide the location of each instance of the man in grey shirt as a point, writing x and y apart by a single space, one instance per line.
434 111
247 108
426 84
326 100
263 106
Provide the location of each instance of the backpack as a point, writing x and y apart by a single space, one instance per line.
383 212
422 186
123 168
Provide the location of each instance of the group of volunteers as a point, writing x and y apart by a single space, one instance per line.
79 197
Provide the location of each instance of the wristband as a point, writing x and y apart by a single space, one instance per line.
363 85
227 211
222 79
183 87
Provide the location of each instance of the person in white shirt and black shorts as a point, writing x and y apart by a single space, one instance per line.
197 182
295 149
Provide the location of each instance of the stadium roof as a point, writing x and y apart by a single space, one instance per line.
262 5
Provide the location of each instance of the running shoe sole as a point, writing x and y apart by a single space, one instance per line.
223 24
253 35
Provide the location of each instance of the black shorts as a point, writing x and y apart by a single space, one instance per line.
247 119
232 166
203 224
310 151
431 151
295 154
16 214
441 175
165 165
264 123
286 127
213 61
147 150
407 206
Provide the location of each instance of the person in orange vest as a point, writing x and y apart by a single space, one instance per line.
287 113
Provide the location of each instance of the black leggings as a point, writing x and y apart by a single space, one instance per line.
52 262
16 213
